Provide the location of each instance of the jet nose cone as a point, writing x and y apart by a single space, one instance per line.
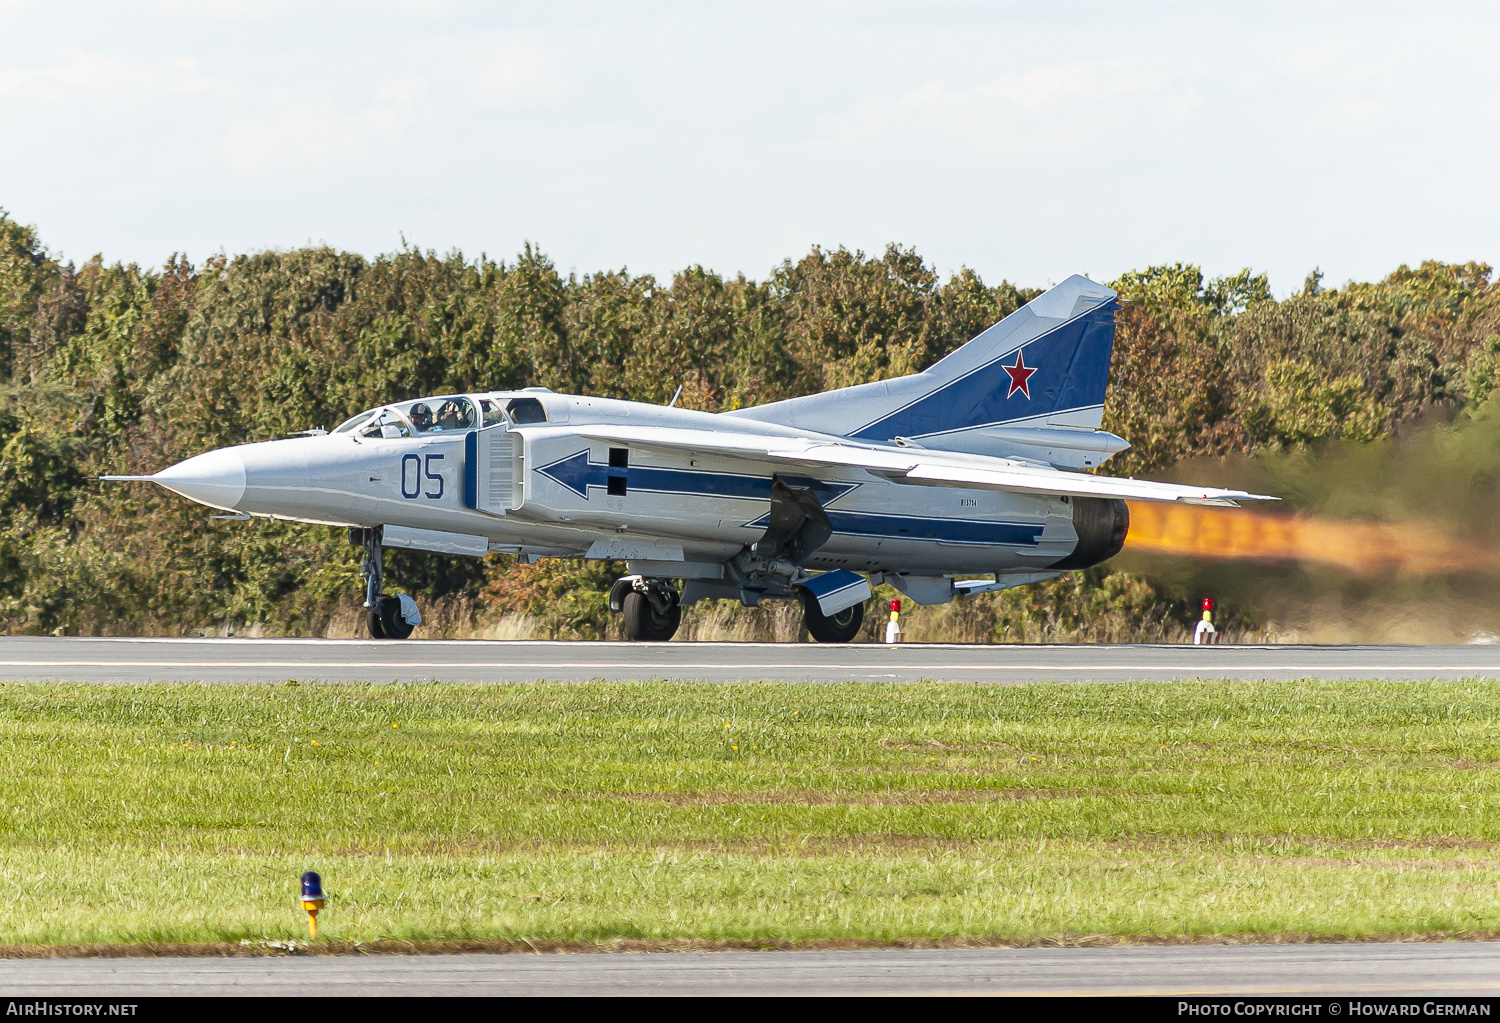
215 478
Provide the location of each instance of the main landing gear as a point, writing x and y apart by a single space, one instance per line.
387 616
652 609
771 568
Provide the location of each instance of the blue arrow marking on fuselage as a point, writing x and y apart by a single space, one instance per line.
578 473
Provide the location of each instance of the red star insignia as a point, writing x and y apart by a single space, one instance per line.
1019 374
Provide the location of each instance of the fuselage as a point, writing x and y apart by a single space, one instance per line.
515 472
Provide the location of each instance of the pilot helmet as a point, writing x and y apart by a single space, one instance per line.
421 415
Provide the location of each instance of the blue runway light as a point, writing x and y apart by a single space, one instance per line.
312 900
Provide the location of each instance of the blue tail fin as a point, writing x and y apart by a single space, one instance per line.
1036 377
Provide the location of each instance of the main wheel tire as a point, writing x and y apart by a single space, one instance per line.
396 627
645 623
373 623
835 628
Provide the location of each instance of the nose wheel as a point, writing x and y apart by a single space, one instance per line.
386 620
386 616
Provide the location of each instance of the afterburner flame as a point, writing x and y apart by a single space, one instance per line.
1366 548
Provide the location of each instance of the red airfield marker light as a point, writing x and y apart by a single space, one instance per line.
1205 632
893 627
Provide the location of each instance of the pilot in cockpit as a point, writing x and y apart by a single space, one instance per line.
453 416
421 417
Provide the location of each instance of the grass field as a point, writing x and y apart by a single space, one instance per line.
769 814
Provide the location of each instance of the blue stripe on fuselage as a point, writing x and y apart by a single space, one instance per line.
697 483
906 527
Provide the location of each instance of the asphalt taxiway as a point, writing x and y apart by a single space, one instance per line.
1425 970
274 660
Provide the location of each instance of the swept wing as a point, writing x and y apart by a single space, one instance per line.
912 465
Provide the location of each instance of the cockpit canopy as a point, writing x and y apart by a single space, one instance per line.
451 414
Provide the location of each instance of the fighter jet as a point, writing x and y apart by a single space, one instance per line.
977 467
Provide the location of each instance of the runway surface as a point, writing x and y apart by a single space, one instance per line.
1414 970
269 660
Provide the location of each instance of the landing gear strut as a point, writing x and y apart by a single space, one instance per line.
386 616
652 609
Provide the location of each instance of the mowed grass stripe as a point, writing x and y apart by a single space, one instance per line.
760 812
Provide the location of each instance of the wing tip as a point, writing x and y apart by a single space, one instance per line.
1222 499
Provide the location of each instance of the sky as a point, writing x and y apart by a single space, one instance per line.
1028 141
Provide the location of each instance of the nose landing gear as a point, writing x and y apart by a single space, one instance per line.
387 616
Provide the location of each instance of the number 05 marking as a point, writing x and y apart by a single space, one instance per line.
413 471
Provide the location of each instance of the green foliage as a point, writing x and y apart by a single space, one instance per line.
1440 292
42 449
565 600
1169 393
1219 368
1482 373
1180 287
1229 295
1091 606
1298 408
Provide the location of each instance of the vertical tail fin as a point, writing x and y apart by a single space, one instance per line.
1042 368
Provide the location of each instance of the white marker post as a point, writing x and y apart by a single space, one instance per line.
1205 632
893 627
